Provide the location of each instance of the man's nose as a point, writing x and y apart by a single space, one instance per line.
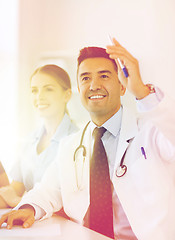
95 84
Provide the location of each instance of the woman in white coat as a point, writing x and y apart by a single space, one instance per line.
50 91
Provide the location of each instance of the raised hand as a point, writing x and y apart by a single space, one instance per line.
133 82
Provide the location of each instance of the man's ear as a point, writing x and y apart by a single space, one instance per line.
67 95
78 84
122 90
78 88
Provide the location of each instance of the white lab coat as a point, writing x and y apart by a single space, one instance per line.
146 191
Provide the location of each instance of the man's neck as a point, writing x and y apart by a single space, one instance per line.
99 120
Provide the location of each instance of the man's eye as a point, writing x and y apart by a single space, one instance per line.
104 76
85 78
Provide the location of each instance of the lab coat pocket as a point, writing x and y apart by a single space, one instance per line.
151 180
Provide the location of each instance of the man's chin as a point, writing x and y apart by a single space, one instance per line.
97 112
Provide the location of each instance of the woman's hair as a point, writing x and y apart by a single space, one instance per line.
94 52
60 75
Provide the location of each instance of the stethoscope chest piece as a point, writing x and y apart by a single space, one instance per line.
121 170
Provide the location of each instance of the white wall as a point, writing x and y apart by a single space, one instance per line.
145 27
8 79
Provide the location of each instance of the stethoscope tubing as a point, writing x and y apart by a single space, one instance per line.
81 144
121 170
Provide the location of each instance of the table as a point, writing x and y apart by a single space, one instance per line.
68 230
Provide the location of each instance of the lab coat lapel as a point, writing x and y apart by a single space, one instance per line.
128 131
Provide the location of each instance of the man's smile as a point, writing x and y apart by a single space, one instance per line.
97 96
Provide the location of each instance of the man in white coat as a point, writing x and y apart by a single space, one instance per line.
140 152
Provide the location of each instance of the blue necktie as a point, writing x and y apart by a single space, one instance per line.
100 210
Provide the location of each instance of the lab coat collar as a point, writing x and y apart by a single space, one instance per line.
128 131
124 121
129 127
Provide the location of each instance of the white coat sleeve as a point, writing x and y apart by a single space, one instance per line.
46 194
158 109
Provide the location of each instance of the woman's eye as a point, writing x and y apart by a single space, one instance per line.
34 91
49 89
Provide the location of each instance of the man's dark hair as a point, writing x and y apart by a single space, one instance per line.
94 52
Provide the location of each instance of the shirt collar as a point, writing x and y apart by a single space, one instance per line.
112 125
61 131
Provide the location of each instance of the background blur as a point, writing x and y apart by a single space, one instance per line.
35 32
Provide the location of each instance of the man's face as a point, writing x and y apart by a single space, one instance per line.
99 87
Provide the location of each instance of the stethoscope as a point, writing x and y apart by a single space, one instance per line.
81 147
121 169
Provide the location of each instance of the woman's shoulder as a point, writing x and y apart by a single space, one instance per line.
75 136
73 127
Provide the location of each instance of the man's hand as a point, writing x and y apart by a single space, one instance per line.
134 82
24 217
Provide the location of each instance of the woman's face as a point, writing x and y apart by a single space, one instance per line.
48 97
